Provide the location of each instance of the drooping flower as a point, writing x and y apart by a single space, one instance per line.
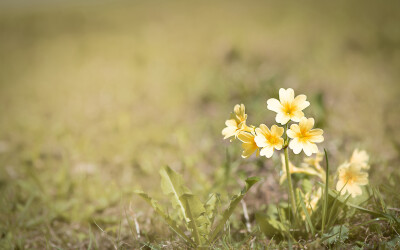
295 170
304 137
269 140
351 178
360 158
288 107
249 145
236 123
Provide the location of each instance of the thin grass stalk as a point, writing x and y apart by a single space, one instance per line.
326 195
292 201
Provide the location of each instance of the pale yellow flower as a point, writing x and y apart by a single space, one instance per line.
304 137
249 145
295 170
269 140
237 122
351 178
288 107
360 158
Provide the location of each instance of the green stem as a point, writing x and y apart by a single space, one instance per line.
292 201
325 205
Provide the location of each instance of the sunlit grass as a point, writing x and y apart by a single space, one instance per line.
94 99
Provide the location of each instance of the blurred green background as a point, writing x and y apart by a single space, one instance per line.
95 97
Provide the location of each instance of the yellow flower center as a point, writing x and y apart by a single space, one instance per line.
288 108
303 136
273 140
349 177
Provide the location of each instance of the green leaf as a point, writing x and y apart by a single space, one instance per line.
172 184
233 204
325 204
211 207
171 223
196 213
337 233
270 226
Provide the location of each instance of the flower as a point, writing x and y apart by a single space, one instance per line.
237 123
249 145
269 140
287 107
304 137
295 170
351 177
360 158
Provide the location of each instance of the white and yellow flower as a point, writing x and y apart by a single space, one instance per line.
237 122
351 178
304 137
269 140
249 145
288 107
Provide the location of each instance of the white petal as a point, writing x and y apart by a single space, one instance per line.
307 149
286 95
274 105
300 102
291 133
308 124
310 148
282 118
231 123
261 141
228 132
267 151
317 139
282 95
297 115
354 190
295 146
339 185
265 129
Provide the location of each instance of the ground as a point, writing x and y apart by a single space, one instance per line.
96 97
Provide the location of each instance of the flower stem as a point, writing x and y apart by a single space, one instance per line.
292 201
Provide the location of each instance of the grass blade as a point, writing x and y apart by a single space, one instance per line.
234 202
325 205
308 218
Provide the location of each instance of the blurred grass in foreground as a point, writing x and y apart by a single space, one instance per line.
94 99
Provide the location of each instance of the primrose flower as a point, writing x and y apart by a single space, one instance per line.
295 170
360 158
288 107
249 145
269 140
351 178
304 137
237 122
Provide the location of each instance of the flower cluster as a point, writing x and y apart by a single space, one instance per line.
263 140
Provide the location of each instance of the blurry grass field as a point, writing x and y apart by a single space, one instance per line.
95 98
